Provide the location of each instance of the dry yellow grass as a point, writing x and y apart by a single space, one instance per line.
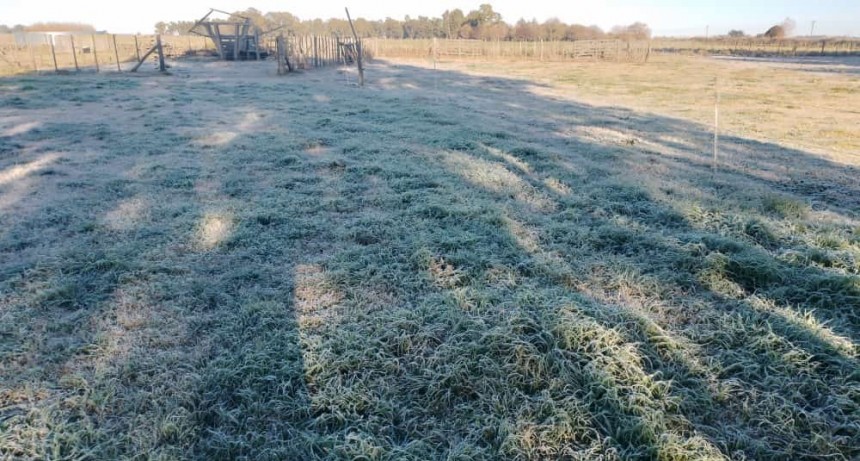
807 104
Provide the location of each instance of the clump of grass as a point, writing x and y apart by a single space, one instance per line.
831 240
761 232
784 207
527 152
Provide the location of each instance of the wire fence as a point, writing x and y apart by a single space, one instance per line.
540 50
29 53
759 46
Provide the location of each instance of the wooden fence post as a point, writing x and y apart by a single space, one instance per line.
316 59
716 120
32 54
95 53
281 55
136 48
74 53
161 66
116 54
236 44
358 50
218 46
54 54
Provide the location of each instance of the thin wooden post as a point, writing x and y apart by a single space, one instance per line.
246 38
435 74
716 120
74 53
95 53
54 54
236 43
146 55
161 66
281 55
316 51
217 35
116 53
358 49
32 54
257 43
136 48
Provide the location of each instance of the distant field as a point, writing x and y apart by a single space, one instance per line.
808 103
759 46
494 260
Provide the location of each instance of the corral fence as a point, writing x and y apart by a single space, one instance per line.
758 46
310 51
51 52
38 53
578 50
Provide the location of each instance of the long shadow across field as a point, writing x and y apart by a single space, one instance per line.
120 292
439 265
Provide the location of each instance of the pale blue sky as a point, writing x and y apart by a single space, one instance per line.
666 17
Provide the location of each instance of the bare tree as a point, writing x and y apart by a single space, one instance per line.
635 31
788 26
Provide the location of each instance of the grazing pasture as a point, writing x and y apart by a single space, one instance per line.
486 261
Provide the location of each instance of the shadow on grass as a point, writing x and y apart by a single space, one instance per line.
437 266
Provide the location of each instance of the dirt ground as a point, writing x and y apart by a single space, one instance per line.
485 261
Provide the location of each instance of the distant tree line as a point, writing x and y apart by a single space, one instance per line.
481 24
48 27
782 30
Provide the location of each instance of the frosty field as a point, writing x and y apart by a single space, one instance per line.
486 261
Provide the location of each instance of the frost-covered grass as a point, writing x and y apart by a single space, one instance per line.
473 271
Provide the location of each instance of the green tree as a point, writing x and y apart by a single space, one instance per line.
392 28
452 21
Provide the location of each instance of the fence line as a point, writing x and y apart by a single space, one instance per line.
753 46
103 52
23 53
604 50
96 52
310 51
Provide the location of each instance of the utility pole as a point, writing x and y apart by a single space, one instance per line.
812 29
